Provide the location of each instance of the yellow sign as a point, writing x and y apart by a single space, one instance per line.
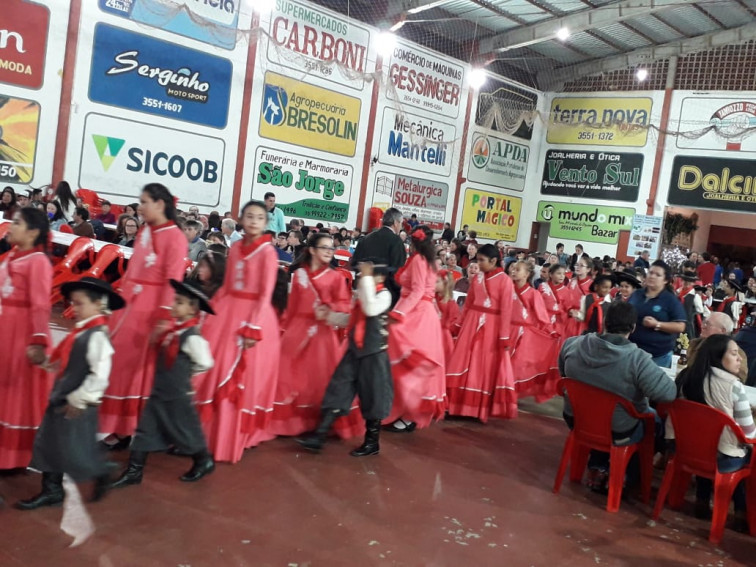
599 121
298 113
492 215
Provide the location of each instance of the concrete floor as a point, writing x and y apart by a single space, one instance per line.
457 494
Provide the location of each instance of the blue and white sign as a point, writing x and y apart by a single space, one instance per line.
137 72
208 21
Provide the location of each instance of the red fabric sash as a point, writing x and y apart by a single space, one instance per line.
684 291
62 352
597 301
358 320
724 303
248 246
169 341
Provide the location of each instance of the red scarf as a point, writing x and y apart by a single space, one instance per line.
724 303
358 320
684 291
169 341
248 245
554 290
596 304
62 352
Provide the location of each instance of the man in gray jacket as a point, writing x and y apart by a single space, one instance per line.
611 362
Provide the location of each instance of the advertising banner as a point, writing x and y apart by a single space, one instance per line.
425 80
138 72
305 187
212 22
413 196
329 47
497 161
719 124
585 222
645 236
302 114
597 121
19 130
23 43
492 215
413 142
713 183
592 175
120 156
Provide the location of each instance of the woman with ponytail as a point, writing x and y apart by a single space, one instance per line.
310 344
235 398
25 284
160 251
479 375
416 345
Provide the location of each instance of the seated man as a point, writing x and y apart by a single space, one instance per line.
611 362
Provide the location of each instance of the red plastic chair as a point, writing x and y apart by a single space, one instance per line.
4 228
106 256
92 200
698 428
80 249
593 409
66 228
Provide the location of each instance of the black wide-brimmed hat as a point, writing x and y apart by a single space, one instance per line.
380 267
601 278
628 275
736 284
189 289
688 276
115 301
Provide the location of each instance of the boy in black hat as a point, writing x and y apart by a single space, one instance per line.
169 417
67 438
365 369
627 283
730 303
688 294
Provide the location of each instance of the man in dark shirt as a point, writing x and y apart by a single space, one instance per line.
384 244
642 261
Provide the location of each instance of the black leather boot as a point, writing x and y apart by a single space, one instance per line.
134 471
314 441
51 495
372 433
203 466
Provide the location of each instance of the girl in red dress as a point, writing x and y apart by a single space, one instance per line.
579 286
557 298
310 346
481 364
160 252
416 346
447 308
235 398
25 284
534 339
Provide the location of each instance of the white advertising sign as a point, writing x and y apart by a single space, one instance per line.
413 142
716 123
645 236
497 161
120 156
425 80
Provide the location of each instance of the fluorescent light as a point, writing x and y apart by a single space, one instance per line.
398 25
385 43
641 75
264 6
477 78
562 34
428 6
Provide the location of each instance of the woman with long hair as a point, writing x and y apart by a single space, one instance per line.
661 316
159 256
210 272
55 215
8 204
126 231
25 281
481 363
416 346
310 345
712 379
64 195
235 398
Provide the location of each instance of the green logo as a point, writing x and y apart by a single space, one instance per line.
107 149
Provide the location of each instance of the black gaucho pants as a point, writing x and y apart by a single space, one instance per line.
367 377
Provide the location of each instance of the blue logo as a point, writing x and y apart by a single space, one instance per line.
656 308
274 104
212 22
140 73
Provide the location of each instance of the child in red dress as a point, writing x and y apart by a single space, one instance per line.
447 308
159 255
481 364
556 298
25 284
235 399
579 286
310 345
534 339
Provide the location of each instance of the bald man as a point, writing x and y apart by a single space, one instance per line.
717 324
